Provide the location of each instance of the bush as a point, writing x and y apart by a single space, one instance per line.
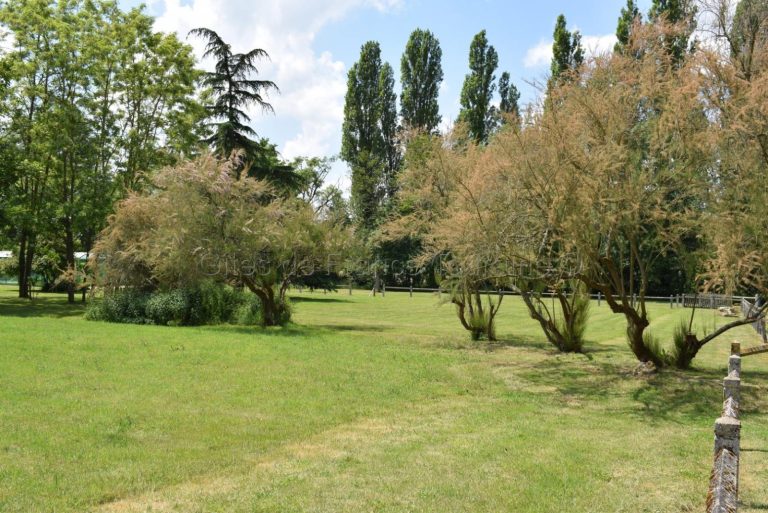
685 349
205 303
167 308
573 326
249 312
480 325
125 306
654 347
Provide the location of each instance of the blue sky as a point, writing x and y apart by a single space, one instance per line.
313 43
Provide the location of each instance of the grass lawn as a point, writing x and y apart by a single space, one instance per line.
363 405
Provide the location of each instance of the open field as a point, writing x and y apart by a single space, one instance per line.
363 405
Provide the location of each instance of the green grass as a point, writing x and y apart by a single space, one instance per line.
362 405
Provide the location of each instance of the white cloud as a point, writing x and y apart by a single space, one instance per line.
598 45
541 55
312 85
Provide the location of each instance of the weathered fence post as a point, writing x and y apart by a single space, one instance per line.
724 482
670 300
734 365
598 298
410 289
383 289
350 286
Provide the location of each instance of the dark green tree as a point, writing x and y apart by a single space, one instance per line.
567 52
389 131
630 15
421 74
368 142
749 32
510 96
478 89
681 14
233 90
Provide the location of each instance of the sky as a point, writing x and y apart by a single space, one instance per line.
313 43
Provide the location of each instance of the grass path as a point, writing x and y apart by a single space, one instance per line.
366 404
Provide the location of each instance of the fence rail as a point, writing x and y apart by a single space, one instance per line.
711 301
723 493
674 299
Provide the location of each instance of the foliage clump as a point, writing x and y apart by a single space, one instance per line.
206 303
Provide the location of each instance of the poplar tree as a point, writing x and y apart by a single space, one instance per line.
477 91
509 96
567 52
748 35
421 74
680 13
630 14
368 142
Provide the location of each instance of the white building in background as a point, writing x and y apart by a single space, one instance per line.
80 256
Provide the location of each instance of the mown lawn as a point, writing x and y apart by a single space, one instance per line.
363 405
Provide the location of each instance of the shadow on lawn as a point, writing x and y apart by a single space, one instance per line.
48 305
305 299
669 395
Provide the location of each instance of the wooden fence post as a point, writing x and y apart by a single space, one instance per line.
723 493
598 299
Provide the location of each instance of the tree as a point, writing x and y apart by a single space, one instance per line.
749 35
680 17
369 135
266 164
421 74
80 80
477 91
149 114
509 96
567 53
389 132
202 222
233 91
736 218
630 15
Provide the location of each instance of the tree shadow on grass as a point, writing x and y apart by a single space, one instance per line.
378 328
305 299
291 330
53 305
670 395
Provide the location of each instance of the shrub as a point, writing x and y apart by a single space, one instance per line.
125 306
167 308
686 346
573 325
654 346
248 313
480 325
205 303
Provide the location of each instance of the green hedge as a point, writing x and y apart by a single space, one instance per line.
207 303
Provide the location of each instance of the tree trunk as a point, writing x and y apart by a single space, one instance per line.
22 270
69 246
547 325
635 329
271 307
